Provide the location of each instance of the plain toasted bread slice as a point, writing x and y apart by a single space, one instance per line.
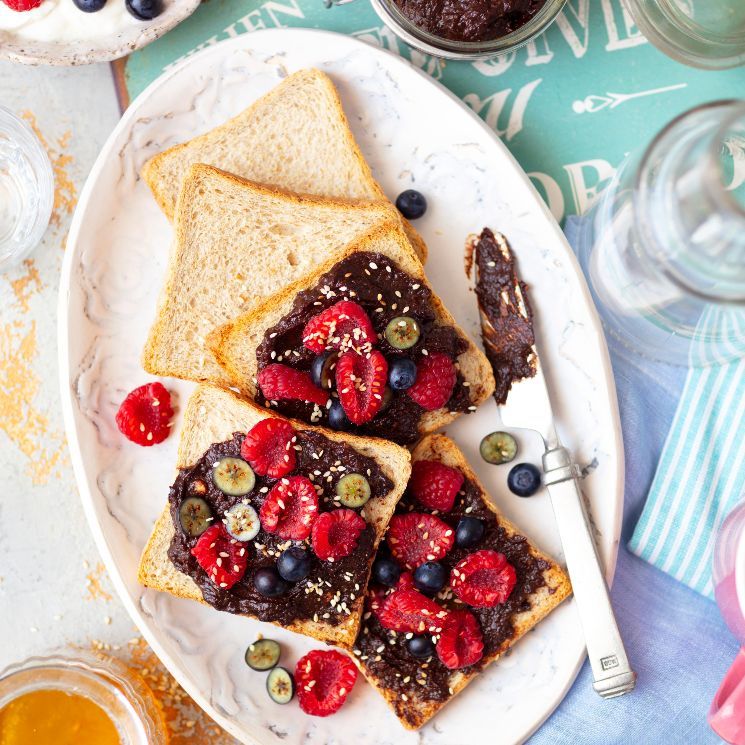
296 137
234 344
236 243
213 415
416 709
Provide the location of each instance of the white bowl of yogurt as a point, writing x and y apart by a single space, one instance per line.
59 33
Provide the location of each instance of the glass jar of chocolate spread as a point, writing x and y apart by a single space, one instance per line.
467 29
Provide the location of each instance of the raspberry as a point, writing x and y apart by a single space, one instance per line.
268 448
290 508
360 381
434 484
378 594
145 413
335 534
21 5
344 325
283 383
222 557
416 537
483 579
435 380
461 643
324 679
405 580
409 611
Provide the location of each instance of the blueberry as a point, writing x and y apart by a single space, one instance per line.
469 532
411 204
322 370
401 373
421 647
294 564
524 480
144 10
386 572
269 584
89 6
337 416
430 577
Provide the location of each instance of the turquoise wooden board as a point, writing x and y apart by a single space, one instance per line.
569 105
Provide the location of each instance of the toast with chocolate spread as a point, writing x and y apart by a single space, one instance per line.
495 587
235 243
296 137
228 525
368 335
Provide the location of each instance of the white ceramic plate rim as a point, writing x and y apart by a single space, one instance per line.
86 51
68 400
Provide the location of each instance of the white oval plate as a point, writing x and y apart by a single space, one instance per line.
413 133
123 33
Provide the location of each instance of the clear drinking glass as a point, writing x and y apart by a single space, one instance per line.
26 189
663 249
702 33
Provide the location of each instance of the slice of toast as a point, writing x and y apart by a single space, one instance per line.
237 242
235 344
213 415
380 660
296 138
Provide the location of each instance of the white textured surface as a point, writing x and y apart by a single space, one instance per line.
413 134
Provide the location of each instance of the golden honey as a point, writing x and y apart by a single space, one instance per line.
49 717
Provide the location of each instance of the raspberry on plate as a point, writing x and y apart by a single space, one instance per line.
461 643
284 383
416 537
22 5
344 325
268 447
290 508
324 679
483 579
408 611
145 414
360 382
434 484
222 557
435 380
335 534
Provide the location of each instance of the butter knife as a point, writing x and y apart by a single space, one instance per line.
528 406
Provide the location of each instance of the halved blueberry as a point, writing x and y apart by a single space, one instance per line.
411 204
294 564
401 373
524 480
430 577
386 572
263 654
280 685
402 332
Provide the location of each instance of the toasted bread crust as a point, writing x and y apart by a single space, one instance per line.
417 711
212 415
234 344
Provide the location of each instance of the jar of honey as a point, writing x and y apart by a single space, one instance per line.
62 700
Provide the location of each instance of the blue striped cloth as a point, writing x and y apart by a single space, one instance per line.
701 472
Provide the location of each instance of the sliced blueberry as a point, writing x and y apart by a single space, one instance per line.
498 448
144 10
386 572
430 577
280 685
89 6
337 416
353 490
421 647
322 370
411 204
402 332
524 480
401 373
195 516
469 532
269 584
263 654
294 564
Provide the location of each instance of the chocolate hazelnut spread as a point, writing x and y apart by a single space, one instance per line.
506 315
394 666
470 20
325 462
385 292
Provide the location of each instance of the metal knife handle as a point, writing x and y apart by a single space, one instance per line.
610 665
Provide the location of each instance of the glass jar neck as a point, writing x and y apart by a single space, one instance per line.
689 201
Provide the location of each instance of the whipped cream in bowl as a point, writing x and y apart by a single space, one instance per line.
59 33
